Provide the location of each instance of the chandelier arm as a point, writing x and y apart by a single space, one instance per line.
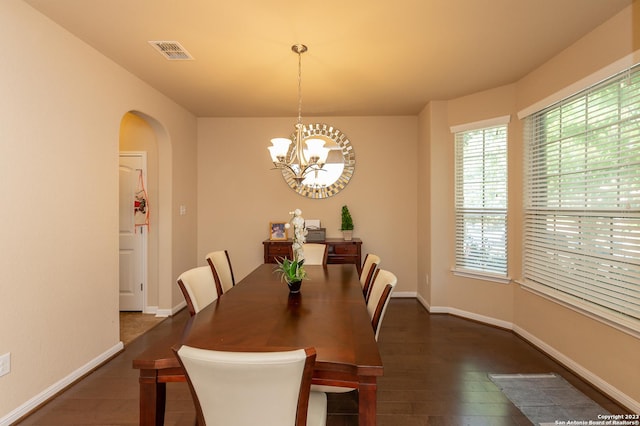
303 171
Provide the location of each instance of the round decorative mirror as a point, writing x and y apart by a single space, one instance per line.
337 170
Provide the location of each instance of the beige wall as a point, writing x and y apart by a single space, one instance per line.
609 42
602 354
482 297
239 195
60 113
612 358
60 117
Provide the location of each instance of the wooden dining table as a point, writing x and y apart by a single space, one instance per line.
259 314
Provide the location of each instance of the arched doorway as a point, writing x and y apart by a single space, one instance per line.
139 135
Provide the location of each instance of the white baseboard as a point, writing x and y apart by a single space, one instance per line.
584 373
163 313
477 317
587 375
171 312
150 310
424 303
59 386
179 307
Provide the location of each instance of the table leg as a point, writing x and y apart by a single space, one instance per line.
367 400
152 399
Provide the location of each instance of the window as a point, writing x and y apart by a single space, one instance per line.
481 201
582 199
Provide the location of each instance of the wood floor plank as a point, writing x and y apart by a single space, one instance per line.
436 370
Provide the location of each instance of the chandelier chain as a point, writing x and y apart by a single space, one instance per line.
299 88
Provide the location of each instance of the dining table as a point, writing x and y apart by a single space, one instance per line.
260 314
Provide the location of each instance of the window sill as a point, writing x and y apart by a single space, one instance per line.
485 276
621 323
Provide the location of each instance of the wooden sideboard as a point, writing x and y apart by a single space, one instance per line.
340 251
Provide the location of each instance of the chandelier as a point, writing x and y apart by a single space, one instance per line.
305 156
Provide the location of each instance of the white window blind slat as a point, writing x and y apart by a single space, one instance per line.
582 196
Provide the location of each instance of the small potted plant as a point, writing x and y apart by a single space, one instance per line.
347 224
292 272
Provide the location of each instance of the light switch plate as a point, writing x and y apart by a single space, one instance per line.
5 363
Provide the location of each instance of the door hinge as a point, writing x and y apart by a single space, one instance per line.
140 286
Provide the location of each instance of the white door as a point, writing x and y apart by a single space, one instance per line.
132 239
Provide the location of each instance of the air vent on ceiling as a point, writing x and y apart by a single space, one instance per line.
171 50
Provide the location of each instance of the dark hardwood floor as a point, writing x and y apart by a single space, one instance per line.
436 370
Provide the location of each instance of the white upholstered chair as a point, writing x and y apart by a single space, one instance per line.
220 264
379 295
253 388
315 254
371 263
198 288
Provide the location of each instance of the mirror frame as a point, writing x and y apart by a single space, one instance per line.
329 132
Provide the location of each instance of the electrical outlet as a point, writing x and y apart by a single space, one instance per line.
5 363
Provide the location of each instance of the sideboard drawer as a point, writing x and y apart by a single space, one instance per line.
345 249
279 249
343 259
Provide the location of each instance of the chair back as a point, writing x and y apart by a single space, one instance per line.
371 263
198 288
315 254
379 295
220 264
249 388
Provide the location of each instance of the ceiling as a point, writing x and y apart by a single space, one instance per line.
366 57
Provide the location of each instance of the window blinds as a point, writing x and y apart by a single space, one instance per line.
481 200
582 196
